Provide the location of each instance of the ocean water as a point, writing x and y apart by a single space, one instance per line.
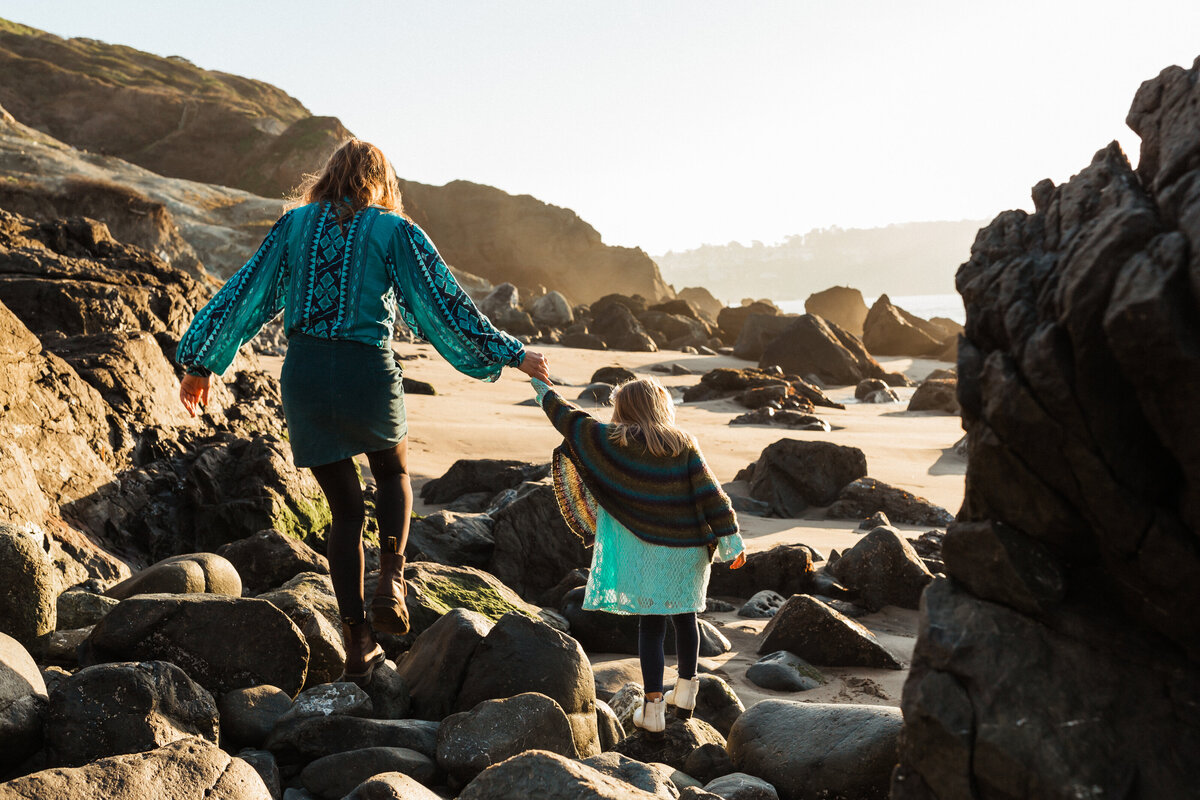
923 305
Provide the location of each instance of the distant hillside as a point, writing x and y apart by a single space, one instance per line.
178 120
909 258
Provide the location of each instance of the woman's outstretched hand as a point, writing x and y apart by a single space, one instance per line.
535 365
193 391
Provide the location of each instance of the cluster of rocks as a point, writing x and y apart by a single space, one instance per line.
1060 657
218 672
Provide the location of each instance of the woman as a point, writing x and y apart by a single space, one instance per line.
341 266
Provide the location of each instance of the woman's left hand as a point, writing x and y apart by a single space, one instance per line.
193 391
535 365
739 562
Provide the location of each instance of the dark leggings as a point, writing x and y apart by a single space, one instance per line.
652 629
393 505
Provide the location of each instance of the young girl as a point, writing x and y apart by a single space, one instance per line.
640 486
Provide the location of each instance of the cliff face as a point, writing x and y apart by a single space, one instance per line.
206 130
521 240
164 114
1062 656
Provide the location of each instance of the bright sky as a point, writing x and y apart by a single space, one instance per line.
668 124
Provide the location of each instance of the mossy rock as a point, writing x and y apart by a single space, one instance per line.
300 515
435 589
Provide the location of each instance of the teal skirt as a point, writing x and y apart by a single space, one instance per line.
340 398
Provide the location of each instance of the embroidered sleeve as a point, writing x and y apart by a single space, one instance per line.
435 308
712 502
541 388
247 301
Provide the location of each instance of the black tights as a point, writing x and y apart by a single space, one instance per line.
393 505
652 629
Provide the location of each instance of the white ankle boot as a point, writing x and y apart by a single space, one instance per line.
683 696
652 716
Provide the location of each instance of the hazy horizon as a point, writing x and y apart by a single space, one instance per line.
670 125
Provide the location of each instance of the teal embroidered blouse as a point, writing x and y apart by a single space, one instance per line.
347 281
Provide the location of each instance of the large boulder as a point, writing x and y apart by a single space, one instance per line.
823 636
812 751
469 475
620 329
304 739
193 573
757 332
270 558
223 642
1078 357
309 602
521 655
113 709
785 568
435 666
936 394
892 331
471 741
534 546
653 778
539 773
552 310
27 590
814 346
187 769
22 703
840 305
867 496
391 786
248 715
732 319
883 569
700 299
791 475
452 538
335 775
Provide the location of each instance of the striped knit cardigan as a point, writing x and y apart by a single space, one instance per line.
666 500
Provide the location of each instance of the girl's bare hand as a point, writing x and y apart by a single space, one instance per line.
535 365
739 562
193 391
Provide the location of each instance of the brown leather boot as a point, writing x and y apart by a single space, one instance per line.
363 653
389 613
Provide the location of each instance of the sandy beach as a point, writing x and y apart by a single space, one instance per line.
913 450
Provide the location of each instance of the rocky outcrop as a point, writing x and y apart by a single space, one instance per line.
867 496
524 241
840 305
791 475
891 331
812 345
1083 487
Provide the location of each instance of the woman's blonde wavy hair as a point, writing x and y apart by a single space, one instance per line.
357 175
643 410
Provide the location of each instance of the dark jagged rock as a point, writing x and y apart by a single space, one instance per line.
435 666
840 305
811 345
451 538
1077 546
785 568
612 375
620 329
224 642
471 741
762 605
114 709
677 742
269 558
883 569
891 331
583 341
935 395
865 496
792 475
481 475
187 768
758 331
846 750
521 655
791 420
724 382
731 319
636 304
533 543
822 636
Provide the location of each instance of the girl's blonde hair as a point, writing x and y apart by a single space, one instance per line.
357 175
643 409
